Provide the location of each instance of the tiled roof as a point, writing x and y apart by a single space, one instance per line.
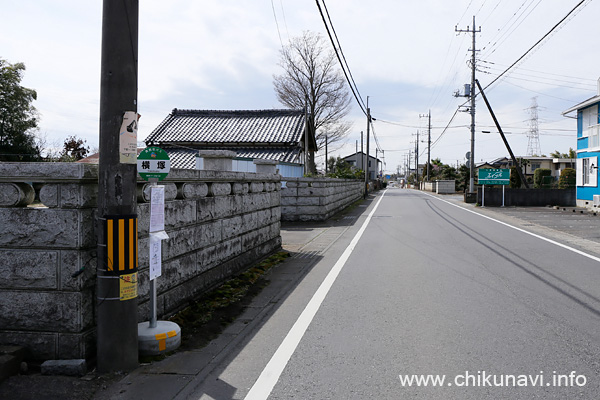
202 127
186 158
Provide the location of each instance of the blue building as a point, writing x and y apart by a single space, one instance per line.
588 150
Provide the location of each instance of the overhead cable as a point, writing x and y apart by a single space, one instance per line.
342 52
339 59
537 43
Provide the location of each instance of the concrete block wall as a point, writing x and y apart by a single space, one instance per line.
445 187
218 223
429 186
317 199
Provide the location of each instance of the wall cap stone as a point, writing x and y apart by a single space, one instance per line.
216 154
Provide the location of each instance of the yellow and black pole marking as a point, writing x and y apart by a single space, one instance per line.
121 244
162 339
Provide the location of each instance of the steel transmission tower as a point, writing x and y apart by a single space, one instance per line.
533 135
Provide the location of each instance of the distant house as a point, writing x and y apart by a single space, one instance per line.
359 161
253 134
531 163
588 150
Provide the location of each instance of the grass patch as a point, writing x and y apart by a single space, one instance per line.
206 317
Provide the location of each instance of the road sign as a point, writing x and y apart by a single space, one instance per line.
492 176
153 163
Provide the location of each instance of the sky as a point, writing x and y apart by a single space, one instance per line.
405 56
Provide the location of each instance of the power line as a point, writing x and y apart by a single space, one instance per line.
520 58
276 23
590 81
340 60
445 129
342 52
537 43
507 34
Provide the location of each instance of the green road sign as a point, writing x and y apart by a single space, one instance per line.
153 163
491 176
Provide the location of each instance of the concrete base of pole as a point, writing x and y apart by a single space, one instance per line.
165 337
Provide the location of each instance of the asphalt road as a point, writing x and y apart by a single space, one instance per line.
427 288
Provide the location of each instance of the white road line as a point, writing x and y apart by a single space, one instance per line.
265 383
564 246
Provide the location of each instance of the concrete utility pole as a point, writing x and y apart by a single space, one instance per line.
362 154
117 336
472 110
367 163
325 154
428 115
306 133
417 162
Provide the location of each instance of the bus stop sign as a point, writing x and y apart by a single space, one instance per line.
153 163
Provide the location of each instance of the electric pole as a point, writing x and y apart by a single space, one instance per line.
376 162
367 166
326 155
417 161
362 154
472 110
306 133
117 335
428 115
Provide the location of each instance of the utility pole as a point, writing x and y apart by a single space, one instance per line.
376 162
325 154
367 166
362 154
428 115
117 335
306 133
408 164
472 110
417 161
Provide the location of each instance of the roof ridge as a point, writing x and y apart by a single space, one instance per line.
214 113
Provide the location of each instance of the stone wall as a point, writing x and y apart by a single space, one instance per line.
317 199
218 224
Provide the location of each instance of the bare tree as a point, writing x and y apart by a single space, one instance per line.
311 74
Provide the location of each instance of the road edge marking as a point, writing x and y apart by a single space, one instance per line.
269 376
554 242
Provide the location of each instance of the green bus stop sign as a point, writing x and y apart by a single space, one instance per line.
153 163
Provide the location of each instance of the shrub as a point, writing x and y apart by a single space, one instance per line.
567 178
540 177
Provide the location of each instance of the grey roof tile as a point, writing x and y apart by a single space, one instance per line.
202 127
